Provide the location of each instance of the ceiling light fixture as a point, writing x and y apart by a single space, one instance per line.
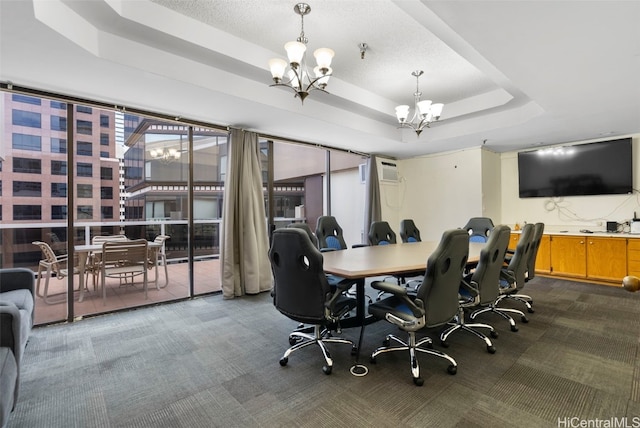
300 80
425 112
165 155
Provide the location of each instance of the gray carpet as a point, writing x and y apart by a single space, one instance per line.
211 362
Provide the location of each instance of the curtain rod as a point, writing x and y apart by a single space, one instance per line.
10 87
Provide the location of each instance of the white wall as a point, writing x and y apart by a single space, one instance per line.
440 192
567 213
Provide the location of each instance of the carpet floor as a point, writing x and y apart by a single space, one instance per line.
210 362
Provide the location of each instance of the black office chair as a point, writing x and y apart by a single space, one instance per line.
481 287
513 276
380 233
434 305
301 292
409 232
307 230
479 228
538 230
329 234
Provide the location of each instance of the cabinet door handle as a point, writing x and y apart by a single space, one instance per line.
582 242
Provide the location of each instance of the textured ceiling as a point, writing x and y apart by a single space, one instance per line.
513 75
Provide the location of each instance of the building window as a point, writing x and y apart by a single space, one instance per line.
106 173
104 154
84 169
106 212
26 142
58 145
58 105
85 191
133 172
84 109
30 166
58 123
106 192
25 99
104 139
58 167
27 212
27 188
58 212
58 190
26 118
85 148
104 121
85 212
84 127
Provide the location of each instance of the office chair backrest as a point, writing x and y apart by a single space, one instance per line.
479 228
300 286
307 230
380 233
409 232
518 263
538 230
329 233
439 289
486 276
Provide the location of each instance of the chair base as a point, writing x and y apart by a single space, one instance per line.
412 346
321 336
526 300
503 312
461 324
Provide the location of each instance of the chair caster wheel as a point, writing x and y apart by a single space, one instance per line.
452 369
514 328
444 344
284 361
491 349
386 342
530 310
354 351
525 320
327 370
293 340
372 360
494 334
418 381
430 345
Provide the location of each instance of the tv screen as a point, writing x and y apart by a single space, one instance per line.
602 168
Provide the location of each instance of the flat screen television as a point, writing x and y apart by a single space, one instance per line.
603 168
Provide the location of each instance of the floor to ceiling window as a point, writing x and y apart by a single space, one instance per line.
108 173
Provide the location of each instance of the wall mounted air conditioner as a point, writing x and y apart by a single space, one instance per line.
388 172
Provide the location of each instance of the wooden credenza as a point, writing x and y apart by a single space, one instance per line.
595 257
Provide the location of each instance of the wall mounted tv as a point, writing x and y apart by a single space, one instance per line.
602 168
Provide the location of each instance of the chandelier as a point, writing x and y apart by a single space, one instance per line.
165 155
424 111
297 76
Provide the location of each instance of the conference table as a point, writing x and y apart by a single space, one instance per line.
360 263
83 252
403 259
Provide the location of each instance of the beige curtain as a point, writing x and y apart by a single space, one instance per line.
244 260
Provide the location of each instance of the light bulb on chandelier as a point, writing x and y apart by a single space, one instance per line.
425 112
299 79
165 155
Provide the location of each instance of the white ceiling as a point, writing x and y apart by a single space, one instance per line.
512 75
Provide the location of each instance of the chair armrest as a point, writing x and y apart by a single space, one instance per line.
469 288
390 287
10 327
17 279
